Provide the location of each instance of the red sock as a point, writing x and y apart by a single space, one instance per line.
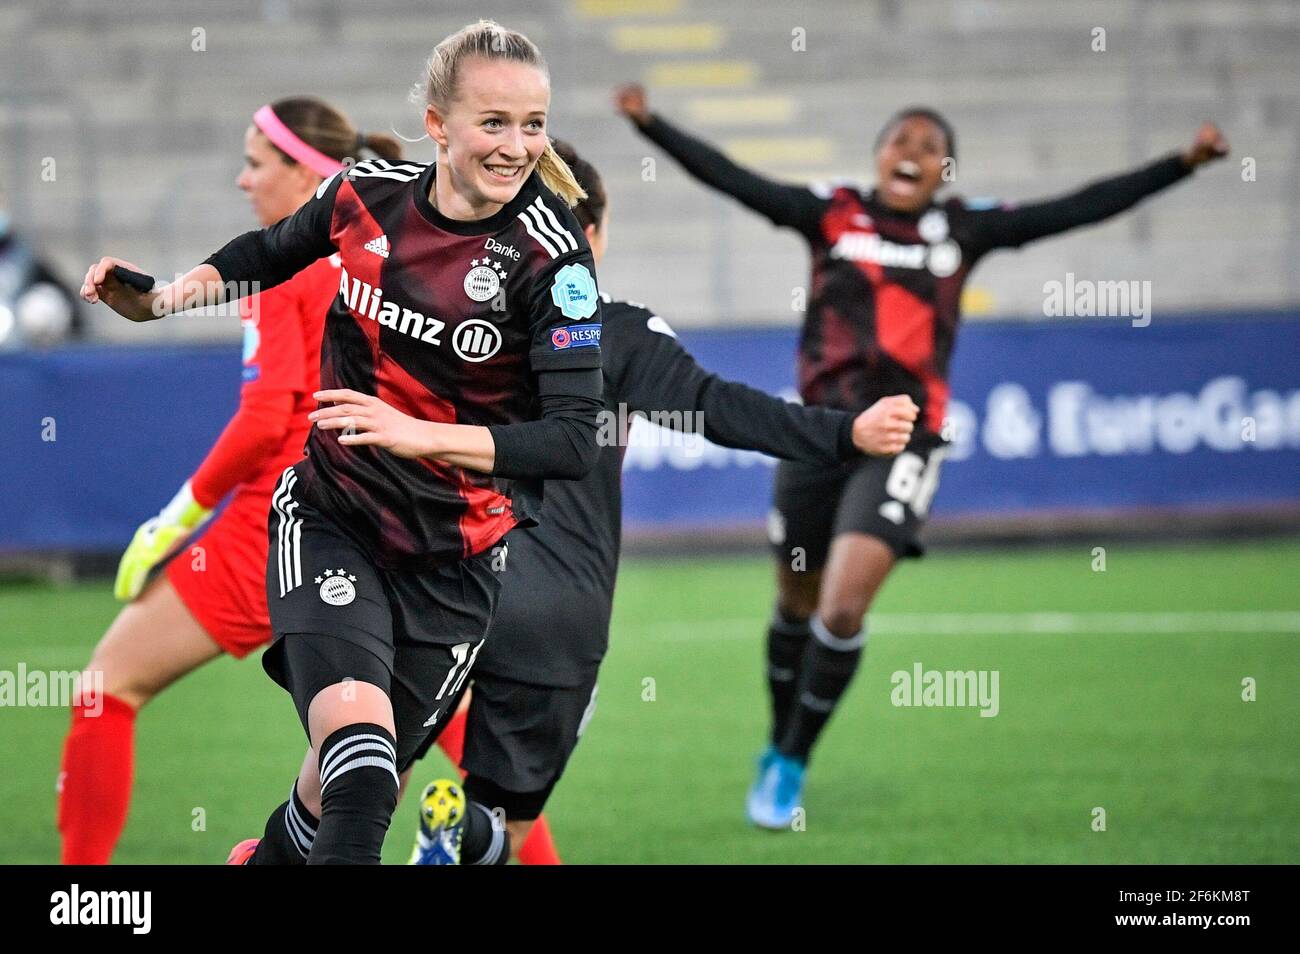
95 781
539 848
452 739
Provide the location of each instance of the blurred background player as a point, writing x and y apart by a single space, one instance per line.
36 306
189 598
534 687
453 401
888 267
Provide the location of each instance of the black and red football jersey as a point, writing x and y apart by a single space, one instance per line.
445 320
886 287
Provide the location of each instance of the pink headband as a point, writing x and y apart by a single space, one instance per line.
266 120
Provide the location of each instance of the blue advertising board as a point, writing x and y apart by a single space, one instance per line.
1049 416
1045 416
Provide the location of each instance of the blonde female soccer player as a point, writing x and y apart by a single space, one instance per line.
460 366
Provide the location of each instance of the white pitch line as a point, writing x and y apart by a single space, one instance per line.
1008 624
44 652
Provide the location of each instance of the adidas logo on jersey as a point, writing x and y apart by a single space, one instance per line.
379 246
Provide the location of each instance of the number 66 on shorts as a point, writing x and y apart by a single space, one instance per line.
885 497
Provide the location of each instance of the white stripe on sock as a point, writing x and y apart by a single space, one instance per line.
493 853
355 743
809 701
302 835
831 641
363 761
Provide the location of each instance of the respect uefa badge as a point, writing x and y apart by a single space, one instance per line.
484 280
574 291
576 336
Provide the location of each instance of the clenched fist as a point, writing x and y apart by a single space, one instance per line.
1209 144
885 428
630 100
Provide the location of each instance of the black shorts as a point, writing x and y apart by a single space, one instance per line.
335 616
886 497
518 739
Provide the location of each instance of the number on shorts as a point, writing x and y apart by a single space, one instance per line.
464 659
460 653
913 481
460 680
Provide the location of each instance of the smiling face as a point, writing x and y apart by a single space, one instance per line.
489 137
275 188
909 163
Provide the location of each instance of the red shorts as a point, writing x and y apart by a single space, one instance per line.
221 576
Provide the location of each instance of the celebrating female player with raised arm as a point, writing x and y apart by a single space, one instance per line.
467 304
534 686
188 610
888 266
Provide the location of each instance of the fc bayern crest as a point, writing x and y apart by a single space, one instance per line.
484 279
336 588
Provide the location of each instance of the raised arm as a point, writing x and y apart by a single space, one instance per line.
1099 200
784 204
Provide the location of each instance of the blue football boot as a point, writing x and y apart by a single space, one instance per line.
777 791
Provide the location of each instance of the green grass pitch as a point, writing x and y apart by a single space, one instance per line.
1119 690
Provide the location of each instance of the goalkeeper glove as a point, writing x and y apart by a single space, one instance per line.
155 539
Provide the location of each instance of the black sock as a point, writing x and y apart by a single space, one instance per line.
485 842
358 793
289 834
786 642
828 666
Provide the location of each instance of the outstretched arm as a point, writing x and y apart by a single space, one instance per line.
252 262
1012 227
736 415
651 372
782 203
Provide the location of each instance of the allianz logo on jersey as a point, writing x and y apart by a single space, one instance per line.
473 339
941 259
